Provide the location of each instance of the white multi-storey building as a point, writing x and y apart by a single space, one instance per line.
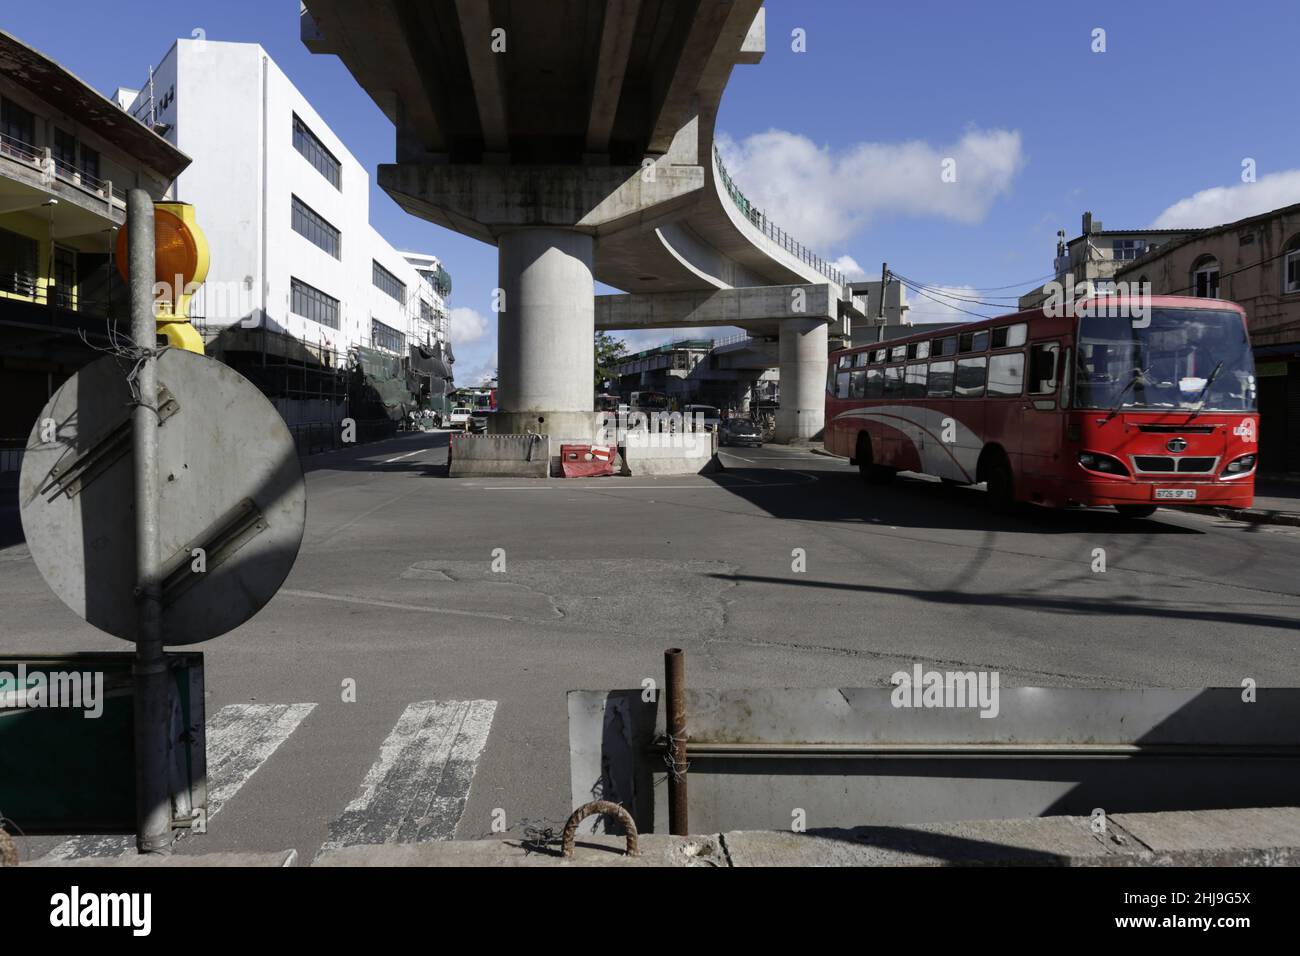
285 208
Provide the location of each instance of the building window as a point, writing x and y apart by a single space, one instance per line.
1128 249
64 150
19 126
1205 278
18 256
314 151
65 277
89 163
386 337
1291 267
388 283
312 303
312 226
426 312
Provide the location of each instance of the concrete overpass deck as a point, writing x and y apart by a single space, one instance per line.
578 136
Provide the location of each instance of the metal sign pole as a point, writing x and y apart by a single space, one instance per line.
153 795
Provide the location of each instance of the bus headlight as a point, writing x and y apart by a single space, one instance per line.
1239 466
1103 463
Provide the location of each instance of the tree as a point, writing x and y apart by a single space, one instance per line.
609 352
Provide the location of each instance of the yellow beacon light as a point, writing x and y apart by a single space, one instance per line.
180 266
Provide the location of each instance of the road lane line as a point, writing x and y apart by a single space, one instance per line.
417 789
389 461
240 737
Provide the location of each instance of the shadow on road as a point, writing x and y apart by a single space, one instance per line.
1100 607
834 494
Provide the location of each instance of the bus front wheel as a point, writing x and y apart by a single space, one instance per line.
1136 511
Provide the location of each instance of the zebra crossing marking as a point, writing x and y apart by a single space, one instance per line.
417 789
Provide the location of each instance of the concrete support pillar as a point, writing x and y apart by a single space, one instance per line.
802 356
545 351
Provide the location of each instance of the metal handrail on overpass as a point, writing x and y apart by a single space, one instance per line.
772 230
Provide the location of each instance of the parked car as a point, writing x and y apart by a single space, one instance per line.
712 415
740 431
478 423
460 416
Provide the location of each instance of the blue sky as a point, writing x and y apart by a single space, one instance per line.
842 143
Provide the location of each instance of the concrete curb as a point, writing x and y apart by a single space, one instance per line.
279 858
1259 516
1268 836
828 454
1250 837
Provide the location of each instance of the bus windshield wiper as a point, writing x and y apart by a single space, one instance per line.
1200 399
1138 374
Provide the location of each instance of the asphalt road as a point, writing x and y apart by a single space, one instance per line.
395 591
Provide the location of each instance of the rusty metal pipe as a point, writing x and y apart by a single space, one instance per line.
675 725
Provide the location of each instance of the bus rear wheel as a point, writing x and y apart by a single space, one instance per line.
1136 511
871 473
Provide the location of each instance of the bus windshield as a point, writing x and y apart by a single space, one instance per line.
1184 359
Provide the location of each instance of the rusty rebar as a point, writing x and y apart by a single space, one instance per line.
599 806
8 849
675 726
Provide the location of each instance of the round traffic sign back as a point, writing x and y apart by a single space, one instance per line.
232 502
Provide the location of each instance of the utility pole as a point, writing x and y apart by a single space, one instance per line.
152 717
884 284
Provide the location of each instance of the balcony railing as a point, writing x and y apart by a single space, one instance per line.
17 149
770 229
42 161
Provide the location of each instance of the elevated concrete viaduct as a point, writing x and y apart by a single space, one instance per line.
578 137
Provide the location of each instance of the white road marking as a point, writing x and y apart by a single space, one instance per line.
389 461
398 606
417 789
240 739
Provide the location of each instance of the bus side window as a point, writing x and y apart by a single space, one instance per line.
940 385
1042 368
859 383
875 382
914 383
842 385
971 374
894 380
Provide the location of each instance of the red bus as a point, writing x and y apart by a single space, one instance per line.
1092 407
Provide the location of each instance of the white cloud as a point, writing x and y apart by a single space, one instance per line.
849 266
941 309
479 375
1222 204
822 196
467 325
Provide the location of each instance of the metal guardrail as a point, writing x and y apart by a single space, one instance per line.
770 229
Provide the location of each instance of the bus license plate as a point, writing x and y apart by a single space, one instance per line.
1175 494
